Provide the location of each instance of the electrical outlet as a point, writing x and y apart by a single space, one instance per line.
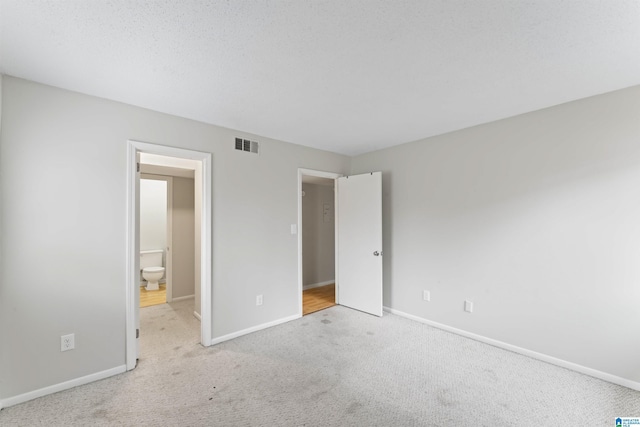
468 306
259 300
426 295
67 342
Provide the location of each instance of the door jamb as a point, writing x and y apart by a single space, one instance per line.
132 238
320 174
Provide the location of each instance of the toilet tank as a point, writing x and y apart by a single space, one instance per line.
151 258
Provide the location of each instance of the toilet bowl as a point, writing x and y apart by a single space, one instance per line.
152 269
152 275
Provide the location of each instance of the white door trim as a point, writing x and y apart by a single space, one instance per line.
320 174
132 238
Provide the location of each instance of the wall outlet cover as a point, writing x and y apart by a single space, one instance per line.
67 342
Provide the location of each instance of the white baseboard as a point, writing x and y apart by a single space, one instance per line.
183 298
21 398
197 315
317 285
253 329
533 354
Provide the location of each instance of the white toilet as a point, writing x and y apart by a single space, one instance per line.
151 266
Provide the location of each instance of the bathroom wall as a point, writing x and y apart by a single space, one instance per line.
197 250
318 234
153 214
183 265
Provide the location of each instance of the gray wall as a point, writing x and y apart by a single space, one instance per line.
4 295
536 219
183 266
65 156
318 235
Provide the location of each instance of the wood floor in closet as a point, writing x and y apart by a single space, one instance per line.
317 299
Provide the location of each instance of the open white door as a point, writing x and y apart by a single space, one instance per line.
359 267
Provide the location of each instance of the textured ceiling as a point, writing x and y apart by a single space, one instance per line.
348 76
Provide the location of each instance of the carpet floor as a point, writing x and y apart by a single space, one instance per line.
336 367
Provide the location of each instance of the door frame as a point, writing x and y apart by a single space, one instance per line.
320 174
133 241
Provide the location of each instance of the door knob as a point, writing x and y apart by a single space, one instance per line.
376 253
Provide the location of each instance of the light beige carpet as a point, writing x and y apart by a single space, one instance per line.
336 367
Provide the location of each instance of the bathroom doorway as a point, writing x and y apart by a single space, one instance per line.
167 225
156 212
150 157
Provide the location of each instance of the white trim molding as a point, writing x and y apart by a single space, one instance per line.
184 298
254 329
525 352
21 398
317 285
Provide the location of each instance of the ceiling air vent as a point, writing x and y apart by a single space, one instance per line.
247 145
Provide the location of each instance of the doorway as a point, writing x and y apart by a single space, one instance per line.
167 224
156 215
316 240
202 248
358 239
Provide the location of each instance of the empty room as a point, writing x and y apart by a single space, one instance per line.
459 180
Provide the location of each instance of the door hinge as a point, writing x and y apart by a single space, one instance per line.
137 333
137 167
